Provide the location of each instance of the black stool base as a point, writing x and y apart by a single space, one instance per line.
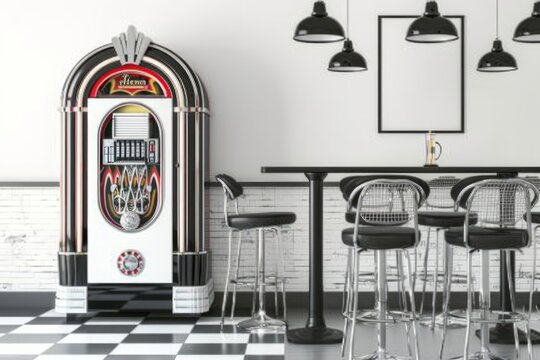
504 334
314 335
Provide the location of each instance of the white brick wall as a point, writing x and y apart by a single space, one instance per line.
29 227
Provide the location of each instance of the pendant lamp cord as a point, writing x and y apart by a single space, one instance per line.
347 19
497 21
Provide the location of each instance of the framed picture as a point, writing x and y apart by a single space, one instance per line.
421 86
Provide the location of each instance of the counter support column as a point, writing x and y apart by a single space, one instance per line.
315 331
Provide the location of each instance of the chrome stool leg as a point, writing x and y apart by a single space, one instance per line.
256 277
485 305
276 277
403 298
413 306
531 293
354 303
382 304
447 290
512 301
348 297
424 272
281 275
346 285
235 285
469 306
435 281
227 280
261 321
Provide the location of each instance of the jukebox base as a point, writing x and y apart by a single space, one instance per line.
193 299
139 297
71 299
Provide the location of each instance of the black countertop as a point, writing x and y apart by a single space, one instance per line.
400 169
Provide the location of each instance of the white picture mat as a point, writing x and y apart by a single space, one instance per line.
421 84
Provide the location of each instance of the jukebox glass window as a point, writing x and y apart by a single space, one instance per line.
130 167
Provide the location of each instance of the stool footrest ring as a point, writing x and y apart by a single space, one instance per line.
493 317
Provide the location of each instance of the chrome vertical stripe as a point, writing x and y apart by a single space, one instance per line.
181 148
80 166
63 182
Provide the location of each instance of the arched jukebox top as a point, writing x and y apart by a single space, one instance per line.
135 125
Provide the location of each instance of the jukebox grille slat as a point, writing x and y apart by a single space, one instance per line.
131 126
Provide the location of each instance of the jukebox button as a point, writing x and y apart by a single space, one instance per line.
130 263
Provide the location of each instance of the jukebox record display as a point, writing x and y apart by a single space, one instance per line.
130 175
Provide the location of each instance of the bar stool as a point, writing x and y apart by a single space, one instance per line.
499 204
383 207
347 185
262 223
438 199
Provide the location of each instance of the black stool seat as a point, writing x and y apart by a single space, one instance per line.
257 220
380 237
535 217
489 238
444 219
398 217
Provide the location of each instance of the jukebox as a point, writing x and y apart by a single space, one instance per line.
134 132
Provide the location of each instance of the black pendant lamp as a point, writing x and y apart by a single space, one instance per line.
528 31
347 60
497 60
432 27
319 27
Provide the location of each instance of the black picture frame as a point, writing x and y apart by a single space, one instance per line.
381 129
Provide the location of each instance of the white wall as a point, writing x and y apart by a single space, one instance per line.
272 100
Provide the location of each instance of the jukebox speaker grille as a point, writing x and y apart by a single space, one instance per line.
131 126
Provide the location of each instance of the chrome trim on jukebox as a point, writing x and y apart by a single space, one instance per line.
190 253
79 166
131 46
193 110
71 109
77 66
181 170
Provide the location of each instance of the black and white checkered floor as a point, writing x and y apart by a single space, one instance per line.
133 336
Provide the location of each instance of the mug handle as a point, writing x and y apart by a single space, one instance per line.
440 150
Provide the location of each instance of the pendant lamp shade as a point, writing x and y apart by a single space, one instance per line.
319 27
528 31
497 60
432 27
347 60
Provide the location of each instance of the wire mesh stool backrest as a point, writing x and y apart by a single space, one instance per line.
439 197
499 202
390 202
535 180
